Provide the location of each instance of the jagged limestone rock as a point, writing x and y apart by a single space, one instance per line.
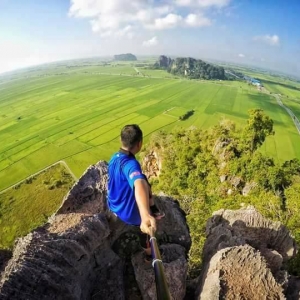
152 164
53 264
250 226
244 238
223 178
239 273
249 186
77 254
173 228
164 61
219 148
89 193
236 181
175 268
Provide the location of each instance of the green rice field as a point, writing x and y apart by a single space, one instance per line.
75 114
29 204
294 105
284 86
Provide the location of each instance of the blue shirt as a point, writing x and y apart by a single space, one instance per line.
123 171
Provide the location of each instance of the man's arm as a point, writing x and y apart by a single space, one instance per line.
141 191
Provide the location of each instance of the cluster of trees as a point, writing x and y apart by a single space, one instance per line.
186 115
210 169
125 57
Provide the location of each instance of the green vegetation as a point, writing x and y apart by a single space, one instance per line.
294 105
125 57
222 167
186 115
285 88
74 111
30 203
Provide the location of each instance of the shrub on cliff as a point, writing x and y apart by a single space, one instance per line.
212 169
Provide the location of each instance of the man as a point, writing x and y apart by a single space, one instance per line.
129 193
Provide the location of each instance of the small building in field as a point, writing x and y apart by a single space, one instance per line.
256 82
253 81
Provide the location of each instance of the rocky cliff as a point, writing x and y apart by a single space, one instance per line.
85 252
245 257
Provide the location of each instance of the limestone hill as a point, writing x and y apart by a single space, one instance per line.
125 57
190 67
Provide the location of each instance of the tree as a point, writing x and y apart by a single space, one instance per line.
258 127
293 207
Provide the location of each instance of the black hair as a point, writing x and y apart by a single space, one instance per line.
131 135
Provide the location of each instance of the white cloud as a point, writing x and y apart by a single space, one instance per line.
174 20
126 31
148 14
241 55
123 18
169 21
272 40
93 8
199 20
150 43
203 3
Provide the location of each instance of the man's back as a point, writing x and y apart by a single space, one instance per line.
123 170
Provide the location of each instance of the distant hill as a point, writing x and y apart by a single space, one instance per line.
190 67
125 57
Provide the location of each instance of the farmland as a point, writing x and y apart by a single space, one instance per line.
75 114
29 204
276 84
294 105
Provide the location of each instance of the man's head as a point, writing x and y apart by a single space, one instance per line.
132 138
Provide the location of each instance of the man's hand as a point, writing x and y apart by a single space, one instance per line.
147 222
142 199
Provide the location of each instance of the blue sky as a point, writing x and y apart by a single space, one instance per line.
261 33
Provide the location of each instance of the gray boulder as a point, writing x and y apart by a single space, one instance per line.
239 273
244 256
248 226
